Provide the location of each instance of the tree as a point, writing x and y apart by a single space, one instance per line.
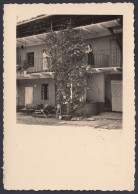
68 61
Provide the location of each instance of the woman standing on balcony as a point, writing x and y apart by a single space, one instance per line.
45 61
89 51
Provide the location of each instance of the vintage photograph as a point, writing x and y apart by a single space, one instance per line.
69 113
69 68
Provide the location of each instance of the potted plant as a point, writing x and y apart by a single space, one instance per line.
25 67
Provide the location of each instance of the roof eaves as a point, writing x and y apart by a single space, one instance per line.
33 19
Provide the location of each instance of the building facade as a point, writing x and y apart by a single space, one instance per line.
104 80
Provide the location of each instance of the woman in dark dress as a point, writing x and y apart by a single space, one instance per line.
90 55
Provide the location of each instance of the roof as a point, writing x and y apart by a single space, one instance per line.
33 19
45 23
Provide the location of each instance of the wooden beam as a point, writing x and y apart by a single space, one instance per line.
89 30
40 38
30 40
20 41
102 26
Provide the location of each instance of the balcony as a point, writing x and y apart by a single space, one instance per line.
103 59
107 58
106 61
31 69
33 66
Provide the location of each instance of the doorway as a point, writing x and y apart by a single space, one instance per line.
28 95
108 97
113 92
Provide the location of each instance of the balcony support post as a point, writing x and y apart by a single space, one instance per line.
116 37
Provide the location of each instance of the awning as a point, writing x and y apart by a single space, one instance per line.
100 29
89 31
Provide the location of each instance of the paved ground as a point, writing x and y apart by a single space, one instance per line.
107 120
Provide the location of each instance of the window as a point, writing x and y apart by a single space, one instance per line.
44 92
30 58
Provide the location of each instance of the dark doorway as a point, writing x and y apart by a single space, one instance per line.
108 97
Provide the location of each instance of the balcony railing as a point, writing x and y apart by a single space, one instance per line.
36 65
103 59
107 58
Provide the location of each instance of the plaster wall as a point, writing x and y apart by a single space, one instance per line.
36 84
96 88
103 44
38 50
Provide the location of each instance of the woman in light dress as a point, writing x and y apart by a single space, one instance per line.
45 61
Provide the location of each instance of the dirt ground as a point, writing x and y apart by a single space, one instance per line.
106 120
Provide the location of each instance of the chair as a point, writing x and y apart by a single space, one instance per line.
45 111
39 110
29 109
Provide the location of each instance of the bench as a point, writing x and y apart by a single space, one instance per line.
29 108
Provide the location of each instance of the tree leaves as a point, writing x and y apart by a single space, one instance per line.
67 48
